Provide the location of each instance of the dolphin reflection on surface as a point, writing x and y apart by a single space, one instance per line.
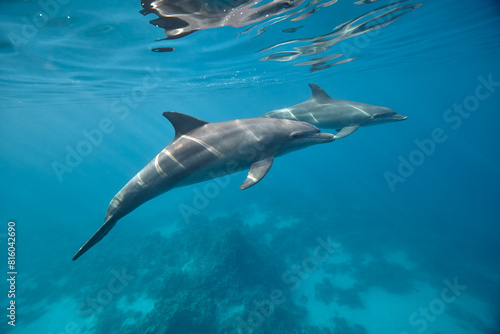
180 18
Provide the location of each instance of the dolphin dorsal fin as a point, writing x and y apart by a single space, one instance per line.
183 123
319 94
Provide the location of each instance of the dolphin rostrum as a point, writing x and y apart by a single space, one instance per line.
202 151
327 113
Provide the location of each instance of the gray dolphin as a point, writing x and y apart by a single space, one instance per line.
327 113
201 151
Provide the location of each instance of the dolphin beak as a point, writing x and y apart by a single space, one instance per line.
323 137
398 117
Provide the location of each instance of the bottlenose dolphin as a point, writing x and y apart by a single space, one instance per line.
327 113
201 151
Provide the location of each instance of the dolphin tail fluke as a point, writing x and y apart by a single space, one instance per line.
101 232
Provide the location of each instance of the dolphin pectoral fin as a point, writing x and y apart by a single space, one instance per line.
344 132
257 172
101 232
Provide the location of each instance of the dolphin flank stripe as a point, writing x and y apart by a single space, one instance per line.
247 129
171 156
361 110
140 181
291 114
119 197
116 201
313 117
158 167
205 145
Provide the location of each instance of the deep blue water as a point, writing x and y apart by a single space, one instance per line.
405 215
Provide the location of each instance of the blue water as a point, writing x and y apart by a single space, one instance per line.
393 229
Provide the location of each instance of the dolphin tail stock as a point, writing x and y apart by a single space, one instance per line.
101 232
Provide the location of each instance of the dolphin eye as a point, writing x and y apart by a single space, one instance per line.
295 135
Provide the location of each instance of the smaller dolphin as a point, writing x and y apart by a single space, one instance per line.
201 151
327 113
